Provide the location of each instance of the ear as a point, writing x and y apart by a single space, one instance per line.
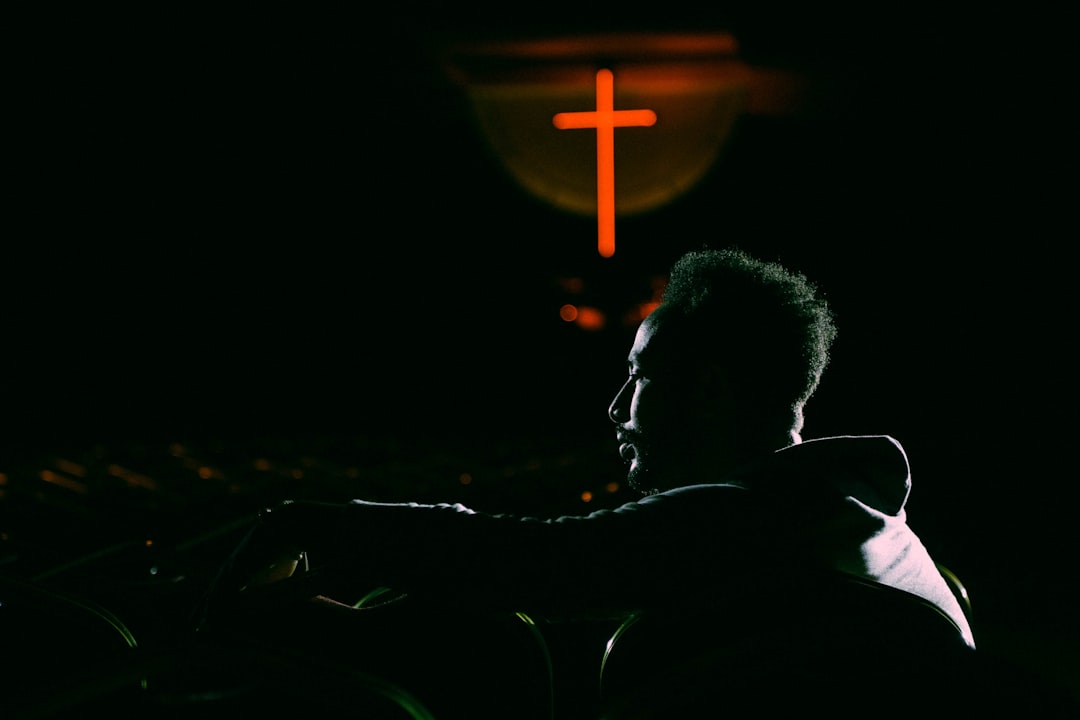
714 379
714 383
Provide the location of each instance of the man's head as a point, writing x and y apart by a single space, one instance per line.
721 370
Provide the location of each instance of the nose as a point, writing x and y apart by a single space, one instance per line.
617 410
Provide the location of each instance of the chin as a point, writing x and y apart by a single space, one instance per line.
641 480
643 491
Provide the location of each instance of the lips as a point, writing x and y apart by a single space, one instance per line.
627 451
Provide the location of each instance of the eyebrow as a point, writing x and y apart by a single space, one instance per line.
633 362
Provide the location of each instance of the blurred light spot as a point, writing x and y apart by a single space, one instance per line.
572 285
297 473
153 571
612 487
589 318
132 478
3 479
465 478
263 464
586 496
205 473
639 312
568 312
149 543
70 468
65 482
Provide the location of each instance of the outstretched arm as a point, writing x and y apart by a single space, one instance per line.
605 562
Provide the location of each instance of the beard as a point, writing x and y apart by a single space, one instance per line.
640 473
660 462
641 482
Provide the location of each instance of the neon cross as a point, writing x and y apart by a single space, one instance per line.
605 119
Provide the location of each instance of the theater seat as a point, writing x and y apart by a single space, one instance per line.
51 640
838 643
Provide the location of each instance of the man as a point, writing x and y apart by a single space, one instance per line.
736 508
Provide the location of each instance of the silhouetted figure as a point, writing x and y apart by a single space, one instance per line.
757 567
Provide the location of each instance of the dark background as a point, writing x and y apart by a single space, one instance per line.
262 224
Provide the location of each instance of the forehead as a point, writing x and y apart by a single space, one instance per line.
656 342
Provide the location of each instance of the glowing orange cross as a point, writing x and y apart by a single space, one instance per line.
605 119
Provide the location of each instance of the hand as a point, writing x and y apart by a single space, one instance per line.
268 553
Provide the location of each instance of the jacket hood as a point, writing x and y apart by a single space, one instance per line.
871 469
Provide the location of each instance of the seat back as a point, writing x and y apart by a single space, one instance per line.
797 647
50 641
959 591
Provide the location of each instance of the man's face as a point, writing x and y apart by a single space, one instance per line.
659 412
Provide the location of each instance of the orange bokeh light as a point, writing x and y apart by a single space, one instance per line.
639 312
572 285
590 318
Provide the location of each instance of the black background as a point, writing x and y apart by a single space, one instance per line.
272 220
